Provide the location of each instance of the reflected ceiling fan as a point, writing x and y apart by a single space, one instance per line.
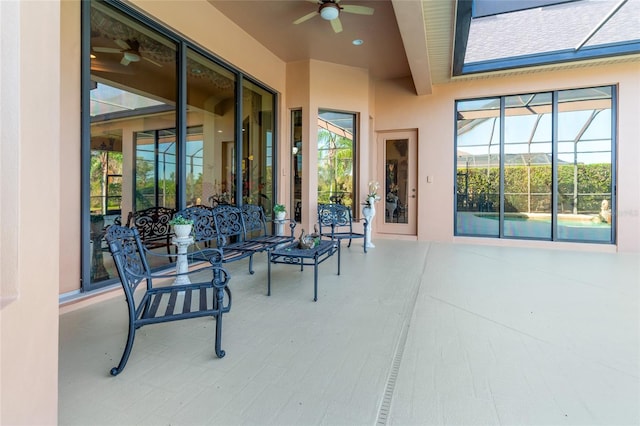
330 11
130 50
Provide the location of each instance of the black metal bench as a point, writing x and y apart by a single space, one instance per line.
164 304
255 226
204 232
244 229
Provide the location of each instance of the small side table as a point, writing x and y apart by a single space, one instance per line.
182 263
292 255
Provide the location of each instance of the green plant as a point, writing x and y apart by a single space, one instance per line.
179 220
279 208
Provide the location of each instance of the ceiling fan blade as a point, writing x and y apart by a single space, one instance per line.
125 61
123 44
336 25
152 61
360 10
106 49
305 17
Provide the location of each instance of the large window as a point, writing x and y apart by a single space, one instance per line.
537 166
336 157
163 127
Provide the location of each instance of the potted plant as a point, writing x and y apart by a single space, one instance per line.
280 211
181 226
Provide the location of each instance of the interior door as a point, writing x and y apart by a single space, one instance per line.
397 154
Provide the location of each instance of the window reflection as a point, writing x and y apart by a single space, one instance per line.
528 163
133 122
210 168
396 180
478 167
257 146
336 149
527 166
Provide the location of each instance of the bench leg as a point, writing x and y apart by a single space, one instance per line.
127 349
315 278
251 271
269 273
220 303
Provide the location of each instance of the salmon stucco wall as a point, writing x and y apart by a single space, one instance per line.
29 318
398 107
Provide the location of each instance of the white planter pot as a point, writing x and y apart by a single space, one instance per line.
280 215
182 231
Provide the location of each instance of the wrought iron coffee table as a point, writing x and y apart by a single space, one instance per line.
292 255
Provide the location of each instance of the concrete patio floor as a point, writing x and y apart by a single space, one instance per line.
411 333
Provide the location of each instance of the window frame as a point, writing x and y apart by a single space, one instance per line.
554 172
183 45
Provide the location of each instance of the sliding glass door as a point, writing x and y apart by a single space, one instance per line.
164 129
537 166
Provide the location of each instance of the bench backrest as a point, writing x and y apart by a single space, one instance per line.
127 250
255 221
228 224
152 224
203 227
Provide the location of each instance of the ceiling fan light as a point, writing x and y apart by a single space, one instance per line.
131 57
329 11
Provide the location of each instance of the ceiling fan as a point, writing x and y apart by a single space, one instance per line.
130 50
330 11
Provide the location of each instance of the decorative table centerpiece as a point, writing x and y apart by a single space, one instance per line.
308 241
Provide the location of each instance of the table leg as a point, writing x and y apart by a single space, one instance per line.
268 273
315 278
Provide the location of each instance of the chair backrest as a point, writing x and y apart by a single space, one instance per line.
128 254
152 223
228 223
203 227
336 217
255 221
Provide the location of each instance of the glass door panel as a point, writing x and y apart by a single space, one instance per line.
397 190
527 166
296 164
336 156
397 209
211 101
258 147
131 105
585 165
478 167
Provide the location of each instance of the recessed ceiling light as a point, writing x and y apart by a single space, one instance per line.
357 42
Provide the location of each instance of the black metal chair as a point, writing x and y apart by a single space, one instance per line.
335 221
168 303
